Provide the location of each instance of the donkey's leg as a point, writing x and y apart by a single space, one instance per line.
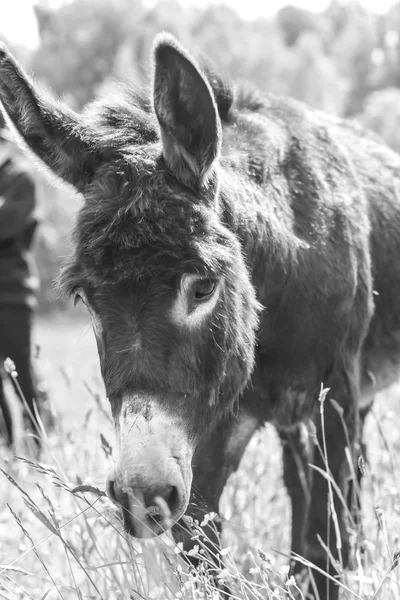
354 494
338 431
7 415
362 446
297 454
217 456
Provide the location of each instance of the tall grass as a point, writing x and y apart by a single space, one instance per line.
60 537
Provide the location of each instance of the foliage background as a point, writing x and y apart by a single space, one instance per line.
344 60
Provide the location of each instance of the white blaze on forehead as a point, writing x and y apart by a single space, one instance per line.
181 313
148 434
142 414
139 412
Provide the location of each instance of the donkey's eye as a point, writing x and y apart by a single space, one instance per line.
203 288
79 296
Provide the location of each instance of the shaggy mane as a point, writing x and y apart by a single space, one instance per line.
126 115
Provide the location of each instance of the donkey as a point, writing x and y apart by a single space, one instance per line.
234 252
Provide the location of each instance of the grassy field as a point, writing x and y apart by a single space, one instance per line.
59 543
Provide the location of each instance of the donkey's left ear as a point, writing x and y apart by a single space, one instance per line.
186 111
58 136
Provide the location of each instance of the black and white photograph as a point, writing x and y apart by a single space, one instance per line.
199 300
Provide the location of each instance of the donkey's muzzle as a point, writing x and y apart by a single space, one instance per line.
145 514
152 476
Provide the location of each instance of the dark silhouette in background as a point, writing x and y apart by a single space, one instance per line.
18 279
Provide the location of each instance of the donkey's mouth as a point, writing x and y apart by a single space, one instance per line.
140 518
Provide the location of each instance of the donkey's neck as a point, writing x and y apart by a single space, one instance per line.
262 219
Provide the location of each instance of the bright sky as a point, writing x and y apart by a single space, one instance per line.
17 20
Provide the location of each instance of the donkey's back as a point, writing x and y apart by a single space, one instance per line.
330 190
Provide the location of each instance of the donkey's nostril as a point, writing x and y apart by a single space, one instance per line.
110 487
173 499
146 511
169 499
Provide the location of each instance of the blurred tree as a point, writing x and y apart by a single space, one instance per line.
252 51
313 77
79 43
335 18
167 15
387 72
352 51
294 21
223 37
381 113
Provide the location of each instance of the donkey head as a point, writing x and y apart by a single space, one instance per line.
161 273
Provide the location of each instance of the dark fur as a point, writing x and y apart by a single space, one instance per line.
291 209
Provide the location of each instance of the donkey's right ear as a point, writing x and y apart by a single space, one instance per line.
53 132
